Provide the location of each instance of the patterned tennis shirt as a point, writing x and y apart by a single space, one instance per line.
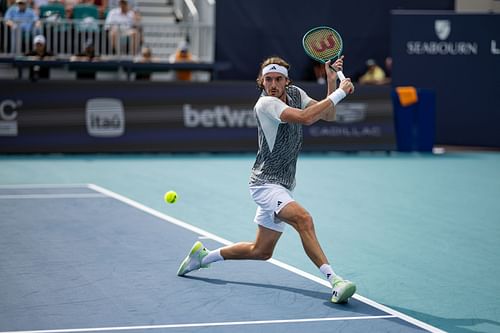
279 142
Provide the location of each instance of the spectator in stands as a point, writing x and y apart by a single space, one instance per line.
374 74
181 55
132 4
103 7
88 54
21 20
69 5
123 22
145 57
39 52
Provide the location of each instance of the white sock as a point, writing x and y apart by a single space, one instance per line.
327 270
211 257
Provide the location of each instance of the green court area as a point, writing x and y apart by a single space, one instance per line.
418 233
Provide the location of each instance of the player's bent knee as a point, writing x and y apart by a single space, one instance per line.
265 256
304 223
260 254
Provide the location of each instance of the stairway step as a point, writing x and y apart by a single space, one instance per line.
158 20
154 2
155 10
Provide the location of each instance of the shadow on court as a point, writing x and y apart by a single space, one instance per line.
351 306
455 325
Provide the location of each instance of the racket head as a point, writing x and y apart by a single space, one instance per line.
322 44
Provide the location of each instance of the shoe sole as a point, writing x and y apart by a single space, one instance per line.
348 292
196 247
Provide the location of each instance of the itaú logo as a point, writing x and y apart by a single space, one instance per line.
442 29
105 117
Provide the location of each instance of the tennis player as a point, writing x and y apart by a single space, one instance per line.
281 111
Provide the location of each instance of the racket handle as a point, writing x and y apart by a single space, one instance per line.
341 75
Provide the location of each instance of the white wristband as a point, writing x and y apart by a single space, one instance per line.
337 96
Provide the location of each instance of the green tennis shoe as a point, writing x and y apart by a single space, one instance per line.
193 261
342 290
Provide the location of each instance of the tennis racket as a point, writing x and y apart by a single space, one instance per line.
323 44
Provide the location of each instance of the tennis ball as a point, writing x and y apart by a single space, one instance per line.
170 197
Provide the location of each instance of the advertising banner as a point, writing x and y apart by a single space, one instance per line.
102 116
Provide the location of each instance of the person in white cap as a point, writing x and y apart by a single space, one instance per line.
281 111
39 52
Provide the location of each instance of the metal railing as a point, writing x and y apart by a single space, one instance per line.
65 38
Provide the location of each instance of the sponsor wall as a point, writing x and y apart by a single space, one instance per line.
55 116
458 57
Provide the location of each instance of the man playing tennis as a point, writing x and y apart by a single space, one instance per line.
281 111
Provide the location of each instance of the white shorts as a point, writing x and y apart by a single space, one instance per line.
270 198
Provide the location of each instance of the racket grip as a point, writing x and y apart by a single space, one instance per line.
341 75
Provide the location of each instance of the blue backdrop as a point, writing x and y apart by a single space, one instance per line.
249 31
457 56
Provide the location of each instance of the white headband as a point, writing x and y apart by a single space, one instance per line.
274 68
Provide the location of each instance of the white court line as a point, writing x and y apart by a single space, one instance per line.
35 186
290 268
53 196
199 325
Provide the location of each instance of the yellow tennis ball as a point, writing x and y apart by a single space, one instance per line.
170 197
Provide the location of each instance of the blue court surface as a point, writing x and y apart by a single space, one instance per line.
80 258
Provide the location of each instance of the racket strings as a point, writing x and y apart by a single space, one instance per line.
323 44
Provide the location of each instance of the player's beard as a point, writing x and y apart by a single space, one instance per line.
275 92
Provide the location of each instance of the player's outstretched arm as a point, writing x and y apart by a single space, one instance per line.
307 116
324 109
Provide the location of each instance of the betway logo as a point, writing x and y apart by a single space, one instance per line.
219 116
